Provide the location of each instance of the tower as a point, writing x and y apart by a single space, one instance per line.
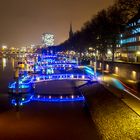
70 32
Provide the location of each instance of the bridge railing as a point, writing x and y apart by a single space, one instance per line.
25 83
63 76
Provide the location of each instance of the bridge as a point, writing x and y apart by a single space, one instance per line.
25 83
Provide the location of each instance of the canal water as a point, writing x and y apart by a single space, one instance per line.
42 120
7 66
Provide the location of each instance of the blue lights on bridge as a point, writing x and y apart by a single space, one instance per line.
44 69
28 81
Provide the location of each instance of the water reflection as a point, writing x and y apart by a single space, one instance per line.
19 100
22 99
13 62
4 62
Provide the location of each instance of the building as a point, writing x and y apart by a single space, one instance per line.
71 31
130 40
47 39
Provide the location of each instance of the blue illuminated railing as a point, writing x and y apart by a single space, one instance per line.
25 82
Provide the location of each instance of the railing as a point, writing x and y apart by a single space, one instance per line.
62 76
34 79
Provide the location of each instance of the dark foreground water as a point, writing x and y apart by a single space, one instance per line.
42 120
6 73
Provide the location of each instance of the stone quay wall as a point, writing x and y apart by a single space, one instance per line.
129 71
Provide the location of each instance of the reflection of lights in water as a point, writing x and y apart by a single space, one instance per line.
13 63
49 99
3 63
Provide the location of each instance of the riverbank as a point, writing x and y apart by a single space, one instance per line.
113 118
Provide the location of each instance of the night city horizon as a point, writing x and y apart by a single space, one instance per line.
23 22
70 70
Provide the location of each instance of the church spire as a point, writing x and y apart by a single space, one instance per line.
70 32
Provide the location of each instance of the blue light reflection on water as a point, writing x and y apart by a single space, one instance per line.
48 99
13 101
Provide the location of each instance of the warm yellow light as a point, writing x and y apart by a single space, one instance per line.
4 47
116 70
109 52
132 81
138 52
4 63
13 63
100 65
90 48
107 67
12 48
134 74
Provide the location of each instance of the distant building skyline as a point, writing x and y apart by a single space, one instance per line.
23 22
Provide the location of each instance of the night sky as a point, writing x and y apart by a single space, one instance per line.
23 21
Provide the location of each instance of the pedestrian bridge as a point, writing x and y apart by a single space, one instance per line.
26 83
80 77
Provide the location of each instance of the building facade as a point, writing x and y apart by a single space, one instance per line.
130 40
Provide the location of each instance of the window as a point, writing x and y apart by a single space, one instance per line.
128 40
135 31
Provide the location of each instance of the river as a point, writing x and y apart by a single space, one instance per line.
42 120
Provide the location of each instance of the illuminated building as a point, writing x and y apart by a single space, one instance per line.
47 39
130 40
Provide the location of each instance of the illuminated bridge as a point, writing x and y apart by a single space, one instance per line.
26 83
30 83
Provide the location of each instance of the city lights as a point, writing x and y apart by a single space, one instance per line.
70 70
4 47
48 39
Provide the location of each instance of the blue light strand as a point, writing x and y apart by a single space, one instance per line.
51 77
39 99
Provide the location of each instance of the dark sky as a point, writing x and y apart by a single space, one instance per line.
23 21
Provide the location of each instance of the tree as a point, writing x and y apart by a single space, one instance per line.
116 26
104 28
129 8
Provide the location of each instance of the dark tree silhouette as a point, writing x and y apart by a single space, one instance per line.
103 30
